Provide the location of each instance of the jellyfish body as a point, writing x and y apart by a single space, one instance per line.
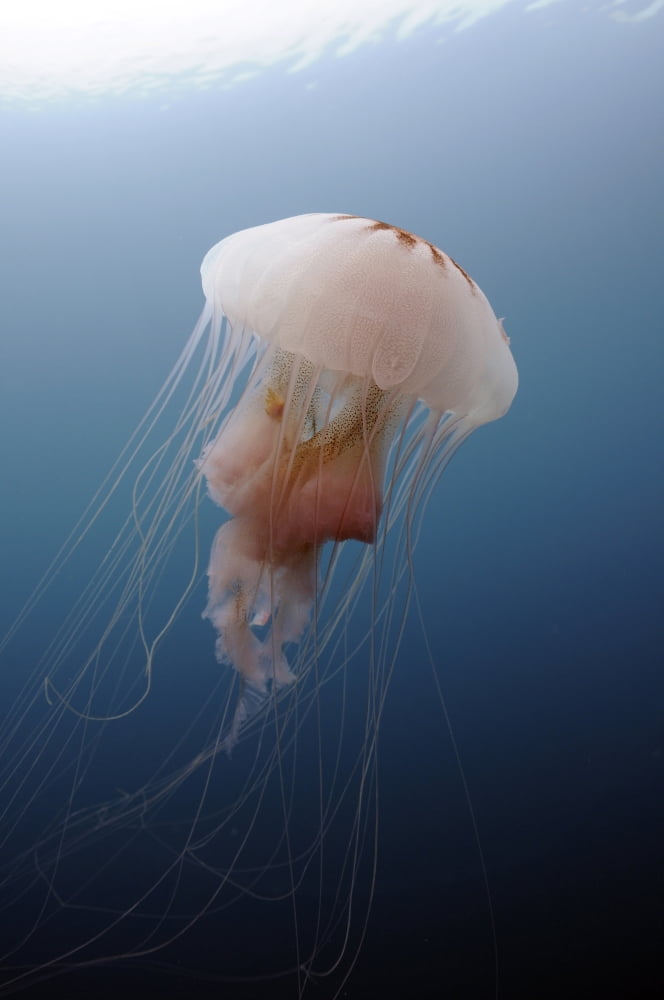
355 323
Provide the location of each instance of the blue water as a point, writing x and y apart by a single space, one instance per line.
531 148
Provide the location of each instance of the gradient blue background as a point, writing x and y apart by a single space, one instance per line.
531 148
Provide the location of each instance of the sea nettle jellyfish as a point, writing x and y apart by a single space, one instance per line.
337 365
353 323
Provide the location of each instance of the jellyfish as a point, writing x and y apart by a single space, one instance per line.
341 362
354 322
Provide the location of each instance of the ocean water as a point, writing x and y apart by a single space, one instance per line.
510 837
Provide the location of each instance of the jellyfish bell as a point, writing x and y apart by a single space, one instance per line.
354 323
337 365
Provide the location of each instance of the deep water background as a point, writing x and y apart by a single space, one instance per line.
531 148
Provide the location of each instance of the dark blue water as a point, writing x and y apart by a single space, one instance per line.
531 148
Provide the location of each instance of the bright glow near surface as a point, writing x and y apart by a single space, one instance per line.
50 50
619 10
90 47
